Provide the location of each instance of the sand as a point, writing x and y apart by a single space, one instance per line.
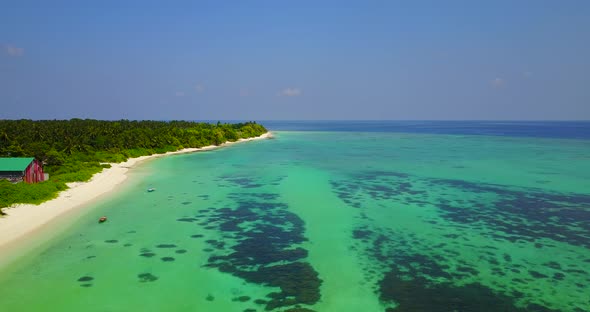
23 220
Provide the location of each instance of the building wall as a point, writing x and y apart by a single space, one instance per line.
34 172
12 178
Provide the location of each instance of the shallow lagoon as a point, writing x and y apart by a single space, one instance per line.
330 221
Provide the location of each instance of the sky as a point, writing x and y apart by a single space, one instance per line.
295 60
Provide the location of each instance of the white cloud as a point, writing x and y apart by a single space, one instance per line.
12 50
179 94
290 92
199 88
498 83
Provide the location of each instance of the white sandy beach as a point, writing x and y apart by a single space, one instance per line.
22 220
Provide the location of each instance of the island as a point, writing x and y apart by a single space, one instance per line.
77 160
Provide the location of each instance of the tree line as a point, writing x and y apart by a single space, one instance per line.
73 150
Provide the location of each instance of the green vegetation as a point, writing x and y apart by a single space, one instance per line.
73 150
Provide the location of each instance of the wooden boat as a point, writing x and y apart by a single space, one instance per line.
102 219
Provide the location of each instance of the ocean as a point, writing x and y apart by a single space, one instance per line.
334 216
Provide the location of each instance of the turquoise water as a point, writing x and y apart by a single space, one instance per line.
330 221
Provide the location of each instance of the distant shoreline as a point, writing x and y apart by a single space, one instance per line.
24 220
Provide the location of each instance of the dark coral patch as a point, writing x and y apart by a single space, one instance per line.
147 254
420 294
180 251
553 265
197 236
558 276
111 241
576 271
517 213
299 283
241 299
502 213
554 216
86 285
266 233
186 219
167 259
244 182
536 274
85 279
147 277
361 234
215 243
166 246
468 270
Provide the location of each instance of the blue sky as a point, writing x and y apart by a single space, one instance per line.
261 60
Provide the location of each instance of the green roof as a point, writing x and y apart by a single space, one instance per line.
15 164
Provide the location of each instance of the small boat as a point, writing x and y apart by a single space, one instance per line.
151 189
102 219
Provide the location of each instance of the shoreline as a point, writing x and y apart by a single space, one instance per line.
24 220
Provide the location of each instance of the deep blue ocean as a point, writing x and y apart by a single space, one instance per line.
547 129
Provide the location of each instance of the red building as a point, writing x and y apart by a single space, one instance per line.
28 169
